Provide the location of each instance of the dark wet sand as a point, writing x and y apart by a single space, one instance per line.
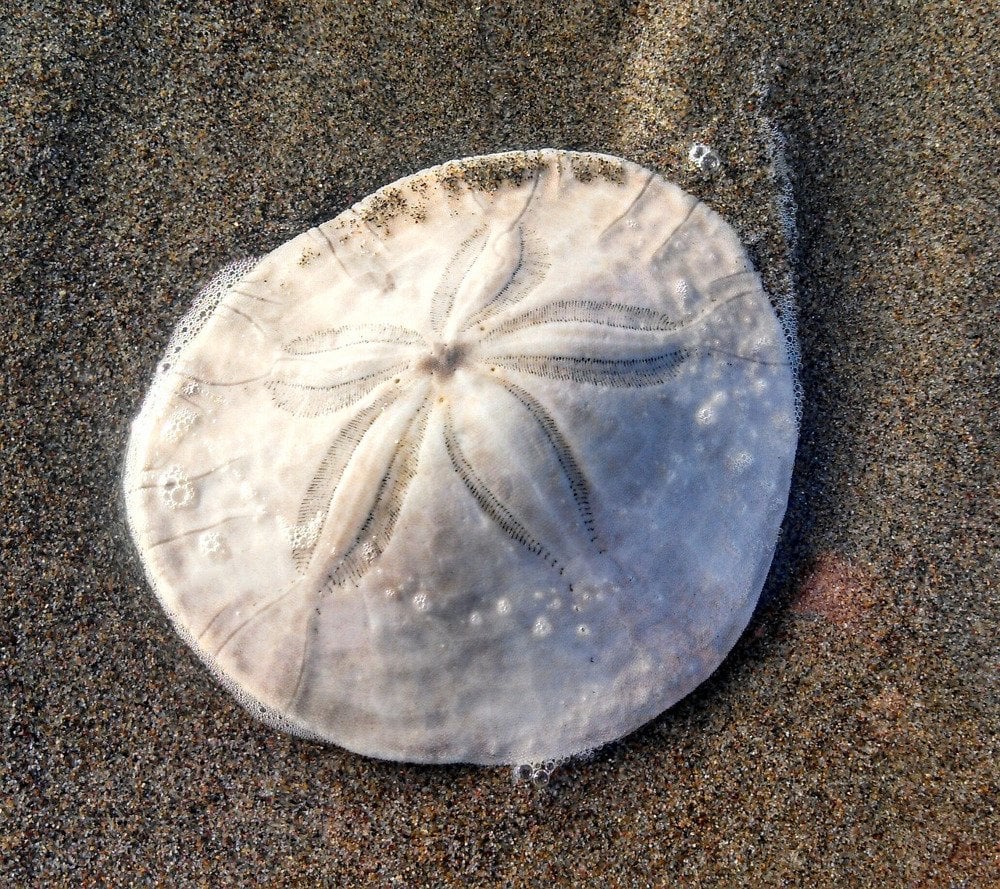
850 739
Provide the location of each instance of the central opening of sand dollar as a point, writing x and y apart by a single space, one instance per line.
443 359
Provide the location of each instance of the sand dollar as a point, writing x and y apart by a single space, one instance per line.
489 468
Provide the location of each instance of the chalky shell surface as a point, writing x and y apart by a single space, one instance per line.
489 468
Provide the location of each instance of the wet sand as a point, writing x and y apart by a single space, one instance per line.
851 737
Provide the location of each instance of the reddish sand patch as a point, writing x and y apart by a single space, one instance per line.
883 713
835 590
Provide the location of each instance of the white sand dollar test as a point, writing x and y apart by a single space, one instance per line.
489 468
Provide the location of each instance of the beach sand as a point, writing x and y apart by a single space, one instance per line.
851 737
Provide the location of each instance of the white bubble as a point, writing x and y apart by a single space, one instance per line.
739 462
421 602
542 627
178 424
704 158
210 543
503 606
540 777
304 535
177 488
708 412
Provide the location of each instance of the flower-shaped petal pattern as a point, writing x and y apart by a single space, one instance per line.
489 468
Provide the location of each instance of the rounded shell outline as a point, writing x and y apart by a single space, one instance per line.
489 468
